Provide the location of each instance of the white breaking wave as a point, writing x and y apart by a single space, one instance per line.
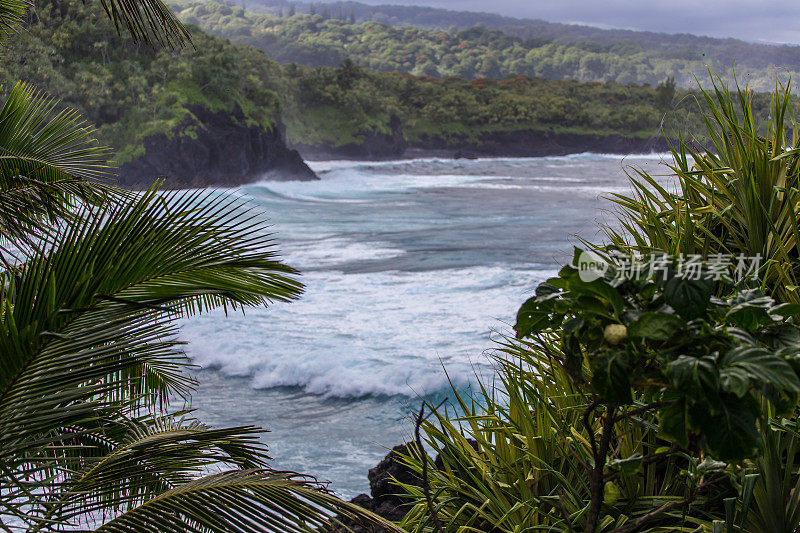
327 165
333 251
354 184
408 266
363 182
385 333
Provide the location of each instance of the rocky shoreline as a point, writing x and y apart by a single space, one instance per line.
221 149
517 143
383 499
556 145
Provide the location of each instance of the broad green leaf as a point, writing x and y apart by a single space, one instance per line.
656 326
696 377
689 298
592 305
786 310
785 335
729 433
532 318
610 377
546 289
673 420
598 287
749 317
745 365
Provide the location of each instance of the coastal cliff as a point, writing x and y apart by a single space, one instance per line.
215 149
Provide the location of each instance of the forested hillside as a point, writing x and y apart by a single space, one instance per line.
453 20
128 91
537 49
134 93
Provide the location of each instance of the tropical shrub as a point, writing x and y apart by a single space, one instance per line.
739 193
625 404
641 397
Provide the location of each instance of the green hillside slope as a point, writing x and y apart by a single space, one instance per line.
483 52
136 93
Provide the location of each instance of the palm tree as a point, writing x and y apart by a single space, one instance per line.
92 281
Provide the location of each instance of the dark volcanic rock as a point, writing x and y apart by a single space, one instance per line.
534 143
215 149
385 501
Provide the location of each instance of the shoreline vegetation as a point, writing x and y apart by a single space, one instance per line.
640 394
173 112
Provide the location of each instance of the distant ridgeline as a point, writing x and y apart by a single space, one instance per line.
218 113
437 42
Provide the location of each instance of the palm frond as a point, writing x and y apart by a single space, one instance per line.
149 21
48 160
240 501
11 14
124 463
85 326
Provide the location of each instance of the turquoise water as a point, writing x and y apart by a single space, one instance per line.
409 266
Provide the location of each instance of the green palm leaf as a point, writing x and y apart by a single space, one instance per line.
150 21
245 500
126 462
85 327
86 342
11 14
48 159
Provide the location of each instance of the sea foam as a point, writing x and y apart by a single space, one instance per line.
386 333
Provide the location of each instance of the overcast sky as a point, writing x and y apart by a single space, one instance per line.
755 20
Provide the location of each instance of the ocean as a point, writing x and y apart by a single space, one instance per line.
411 268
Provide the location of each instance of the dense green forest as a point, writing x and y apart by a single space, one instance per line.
330 35
452 20
131 92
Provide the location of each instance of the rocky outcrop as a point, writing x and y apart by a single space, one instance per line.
219 149
384 500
